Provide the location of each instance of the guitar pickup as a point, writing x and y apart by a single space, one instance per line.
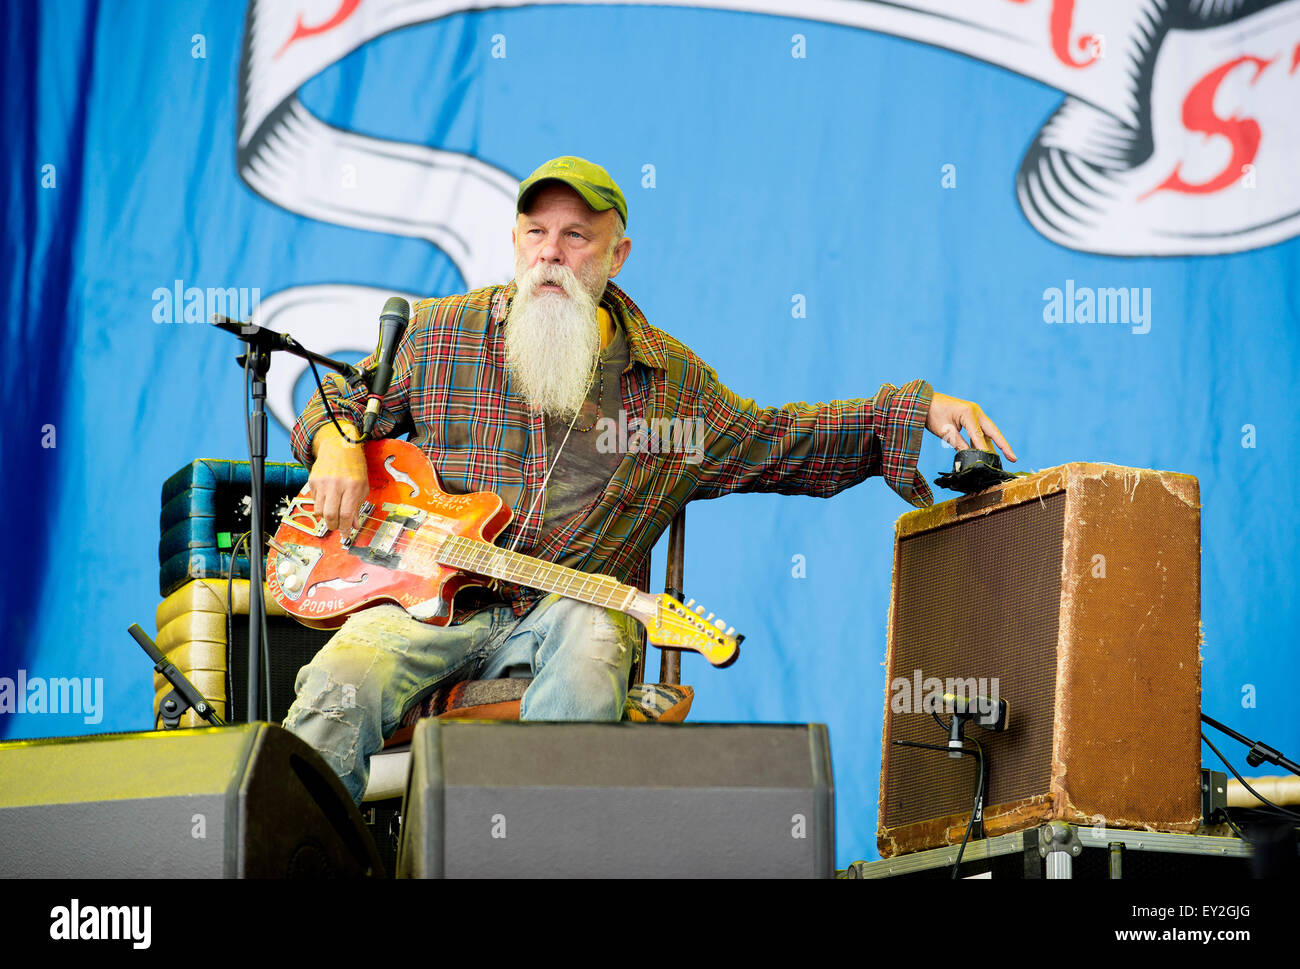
377 557
397 520
407 515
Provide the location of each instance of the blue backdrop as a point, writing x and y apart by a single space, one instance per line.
873 175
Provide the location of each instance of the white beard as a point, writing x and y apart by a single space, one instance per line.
552 339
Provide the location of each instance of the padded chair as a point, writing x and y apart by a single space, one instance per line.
667 701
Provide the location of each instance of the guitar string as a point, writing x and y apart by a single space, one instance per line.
480 553
475 555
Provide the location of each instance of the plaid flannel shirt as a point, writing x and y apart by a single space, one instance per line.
450 390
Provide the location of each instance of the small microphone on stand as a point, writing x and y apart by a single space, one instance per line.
991 713
392 324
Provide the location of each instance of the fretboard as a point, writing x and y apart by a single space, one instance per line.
481 558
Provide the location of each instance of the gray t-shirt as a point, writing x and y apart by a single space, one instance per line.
583 470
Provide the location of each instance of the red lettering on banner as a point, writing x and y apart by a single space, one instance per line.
1062 20
346 9
1198 115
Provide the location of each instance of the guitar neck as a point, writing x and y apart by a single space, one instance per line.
482 558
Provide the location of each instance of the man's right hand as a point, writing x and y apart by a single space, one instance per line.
338 480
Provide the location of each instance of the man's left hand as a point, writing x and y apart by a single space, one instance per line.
950 416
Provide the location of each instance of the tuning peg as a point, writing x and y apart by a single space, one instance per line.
731 631
689 603
699 610
719 624
709 618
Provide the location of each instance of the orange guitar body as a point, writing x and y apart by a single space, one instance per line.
320 577
417 546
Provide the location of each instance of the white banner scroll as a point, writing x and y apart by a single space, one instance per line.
1178 134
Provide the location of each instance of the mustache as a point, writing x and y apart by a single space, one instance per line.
552 275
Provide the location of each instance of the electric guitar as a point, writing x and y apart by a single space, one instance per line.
417 546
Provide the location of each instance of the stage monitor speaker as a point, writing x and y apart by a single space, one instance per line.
618 800
192 634
247 801
1074 595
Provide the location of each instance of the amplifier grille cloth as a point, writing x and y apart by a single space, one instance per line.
979 598
292 647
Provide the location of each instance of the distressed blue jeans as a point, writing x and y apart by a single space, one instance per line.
355 691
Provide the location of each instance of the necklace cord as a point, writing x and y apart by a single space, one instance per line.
600 369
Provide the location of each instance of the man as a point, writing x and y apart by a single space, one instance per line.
508 389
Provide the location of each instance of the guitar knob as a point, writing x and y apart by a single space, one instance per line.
291 583
284 568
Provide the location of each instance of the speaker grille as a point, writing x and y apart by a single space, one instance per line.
292 647
979 600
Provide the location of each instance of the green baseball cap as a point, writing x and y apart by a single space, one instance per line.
586 178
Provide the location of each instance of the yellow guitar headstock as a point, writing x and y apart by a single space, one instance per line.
677 626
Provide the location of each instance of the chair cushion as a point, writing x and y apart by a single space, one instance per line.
477 693
664 702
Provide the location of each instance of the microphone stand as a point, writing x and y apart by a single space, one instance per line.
183 695
1273 853
1260 752
256 361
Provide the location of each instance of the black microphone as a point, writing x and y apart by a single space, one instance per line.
991 713
268 338
392 324
181 687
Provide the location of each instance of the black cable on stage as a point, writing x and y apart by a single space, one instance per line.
266 661
230 613
1236 830
325 402
1276 807
248 430
979 786
979 781
1260 752
978 807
